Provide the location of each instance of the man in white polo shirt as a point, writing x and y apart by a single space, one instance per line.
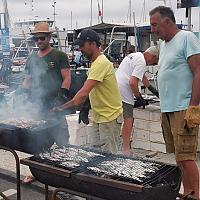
129 73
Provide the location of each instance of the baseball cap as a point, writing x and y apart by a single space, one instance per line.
87 35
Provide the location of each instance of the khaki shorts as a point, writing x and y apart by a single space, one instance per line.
127 110
179 140
107 135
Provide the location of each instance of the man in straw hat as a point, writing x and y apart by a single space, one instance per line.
48 79
132 70
178 84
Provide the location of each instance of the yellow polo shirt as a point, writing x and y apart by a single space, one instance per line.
105 97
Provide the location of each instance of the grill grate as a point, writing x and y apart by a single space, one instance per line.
133 170
69 157
125 168
102 174
116 167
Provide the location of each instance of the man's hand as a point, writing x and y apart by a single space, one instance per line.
139 102
153 90
192 116
57 109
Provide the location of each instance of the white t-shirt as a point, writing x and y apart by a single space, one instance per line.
133 64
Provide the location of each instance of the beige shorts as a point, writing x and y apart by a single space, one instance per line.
179 140
107 135
127 110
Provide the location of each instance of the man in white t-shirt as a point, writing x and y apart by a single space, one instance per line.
132 70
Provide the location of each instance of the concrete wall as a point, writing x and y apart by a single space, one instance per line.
80 134
147 133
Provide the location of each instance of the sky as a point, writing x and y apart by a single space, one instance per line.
115 11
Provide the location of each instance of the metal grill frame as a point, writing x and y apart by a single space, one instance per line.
102 187
95 161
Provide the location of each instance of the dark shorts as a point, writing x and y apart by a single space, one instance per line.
179 139
127 110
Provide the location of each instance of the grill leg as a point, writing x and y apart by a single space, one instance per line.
18 177
17 169
4 197
54 194
46 192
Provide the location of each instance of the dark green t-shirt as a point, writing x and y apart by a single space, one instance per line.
46 74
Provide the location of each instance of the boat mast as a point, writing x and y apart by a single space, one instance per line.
143 14
90 12
54 13
7 17
71 17
32 5
102 12
130 11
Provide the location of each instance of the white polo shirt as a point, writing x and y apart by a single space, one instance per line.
133 64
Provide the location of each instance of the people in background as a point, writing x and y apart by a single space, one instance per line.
102 89
132 70
124 51
131 49
178 84
103 47
78 57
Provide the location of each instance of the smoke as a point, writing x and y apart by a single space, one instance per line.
17 105
30 103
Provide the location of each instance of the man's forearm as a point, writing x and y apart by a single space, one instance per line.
195 99
134 86
78 99
136 91
145 81
66 83
66 75
67 105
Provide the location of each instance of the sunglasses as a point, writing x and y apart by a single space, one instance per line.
42 38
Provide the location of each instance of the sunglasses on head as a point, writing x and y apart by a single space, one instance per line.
42 38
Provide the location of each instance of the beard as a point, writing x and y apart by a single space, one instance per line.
43 47
87 55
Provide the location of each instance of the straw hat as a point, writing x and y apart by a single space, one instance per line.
41 27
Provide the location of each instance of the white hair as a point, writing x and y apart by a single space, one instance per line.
154 50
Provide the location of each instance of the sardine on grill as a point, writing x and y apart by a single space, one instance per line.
125 168
69 156
23 123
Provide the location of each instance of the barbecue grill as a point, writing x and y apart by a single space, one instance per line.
104 175
30 140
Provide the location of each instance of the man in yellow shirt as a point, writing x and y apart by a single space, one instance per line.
102 89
